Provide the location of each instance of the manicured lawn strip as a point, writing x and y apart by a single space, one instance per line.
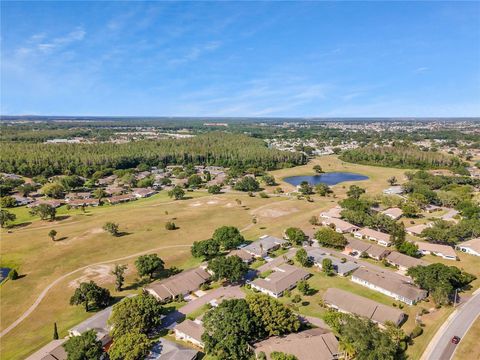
469 347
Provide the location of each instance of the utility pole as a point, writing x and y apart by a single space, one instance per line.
455 301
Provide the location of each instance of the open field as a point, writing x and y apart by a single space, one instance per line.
84 244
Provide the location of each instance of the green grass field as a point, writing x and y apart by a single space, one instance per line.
82 242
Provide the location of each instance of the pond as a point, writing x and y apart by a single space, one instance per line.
4 273
331 178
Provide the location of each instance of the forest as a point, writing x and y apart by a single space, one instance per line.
220 149
403 156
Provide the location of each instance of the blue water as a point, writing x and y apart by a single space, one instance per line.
4 273
332 178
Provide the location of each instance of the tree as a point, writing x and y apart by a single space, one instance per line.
146 182
53 190
392 180
409 248
177 193
119 273
170 225
141 314
327 267
45 211
205 249
295 236
318 169
8 202
247 183
130 346
304 287
440 280
275 318
194 180
112 228
314 220
323 189
13 274
90 294
355 192
269 180
228 330
230 268
330 238
302 257
51 234
228 237
305 188
84 347
149 265
99 194
214 189
410 209
6 217
55 331
277 355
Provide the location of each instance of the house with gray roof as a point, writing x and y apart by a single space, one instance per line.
348 302
164 349
404 262
264 245
52 351
341 268
97 322
284 277
190 331
372 250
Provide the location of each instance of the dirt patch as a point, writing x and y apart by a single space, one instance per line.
99 273
195 204
275 213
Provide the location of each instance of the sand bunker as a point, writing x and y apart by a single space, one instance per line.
275 213
99 273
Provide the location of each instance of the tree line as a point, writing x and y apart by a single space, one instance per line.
219 149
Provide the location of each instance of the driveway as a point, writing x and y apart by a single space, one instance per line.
441 347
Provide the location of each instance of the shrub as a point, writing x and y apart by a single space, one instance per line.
416 332
170 225
297 298
13 274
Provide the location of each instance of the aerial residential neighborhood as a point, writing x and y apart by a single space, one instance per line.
239 180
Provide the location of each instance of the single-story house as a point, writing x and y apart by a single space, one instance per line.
83 202
374 251
311 344
348 302
97 322
22 200
332 213
52 351
443 251
471 247
190 331
389 283
114 190
404 262
53 203
143 192
78 195
416 230
341 268
164 349
341 226
264 245
393 190
120 199
393 213
284 277
107 180
374 235
180 284
242 254
142 175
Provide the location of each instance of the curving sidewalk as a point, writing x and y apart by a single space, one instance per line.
63 277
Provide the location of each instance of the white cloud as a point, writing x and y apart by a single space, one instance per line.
39 43
196 52
421 69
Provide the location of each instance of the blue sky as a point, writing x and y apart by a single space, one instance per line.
261 59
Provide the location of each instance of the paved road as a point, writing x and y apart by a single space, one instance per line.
440 347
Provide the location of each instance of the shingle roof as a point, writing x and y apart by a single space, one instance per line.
341 268
284 277
378 235
185 282
191 328
339 224
359 305
394 212
266 243
437 248
372 250
52 351
390 282
313 344
403 260
474 244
